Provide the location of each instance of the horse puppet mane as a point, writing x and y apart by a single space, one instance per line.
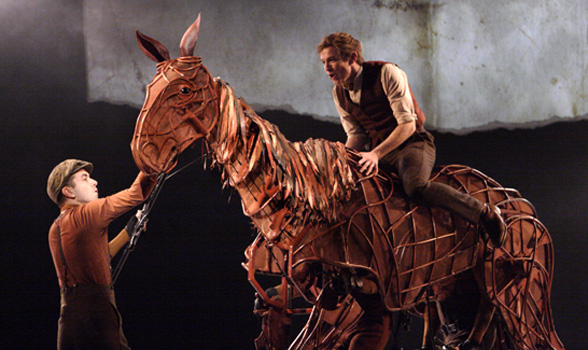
283 185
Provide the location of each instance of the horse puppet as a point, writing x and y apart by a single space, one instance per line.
347 243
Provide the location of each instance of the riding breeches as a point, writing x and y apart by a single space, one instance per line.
413 161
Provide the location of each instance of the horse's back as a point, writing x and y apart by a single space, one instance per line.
406 246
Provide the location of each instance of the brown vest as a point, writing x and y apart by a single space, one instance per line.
373 111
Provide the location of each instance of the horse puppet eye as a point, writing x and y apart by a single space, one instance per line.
185 90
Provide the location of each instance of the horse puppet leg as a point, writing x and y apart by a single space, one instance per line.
275 324
481 324
519 277
431 324
484 314
275 330
374 327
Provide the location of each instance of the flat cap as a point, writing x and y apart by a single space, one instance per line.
61 174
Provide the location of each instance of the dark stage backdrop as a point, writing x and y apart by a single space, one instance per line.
183 287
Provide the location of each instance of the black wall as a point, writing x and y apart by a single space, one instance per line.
183 287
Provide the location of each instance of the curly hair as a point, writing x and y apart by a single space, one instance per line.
344 43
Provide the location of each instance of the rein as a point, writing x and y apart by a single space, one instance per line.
140 225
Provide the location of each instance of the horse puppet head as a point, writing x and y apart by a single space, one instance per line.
179 104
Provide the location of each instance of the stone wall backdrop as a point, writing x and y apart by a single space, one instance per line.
472 64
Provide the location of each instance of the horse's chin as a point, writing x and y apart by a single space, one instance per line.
151 165
161 165
170 162
149 168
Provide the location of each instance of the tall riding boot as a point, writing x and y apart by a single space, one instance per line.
492 224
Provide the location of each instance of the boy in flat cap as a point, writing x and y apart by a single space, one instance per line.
78 240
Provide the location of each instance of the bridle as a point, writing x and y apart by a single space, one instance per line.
145 211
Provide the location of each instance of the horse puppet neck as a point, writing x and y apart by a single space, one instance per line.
284 186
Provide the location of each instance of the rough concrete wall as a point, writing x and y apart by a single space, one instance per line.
509 61
470 64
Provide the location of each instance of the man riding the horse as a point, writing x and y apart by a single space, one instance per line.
379 112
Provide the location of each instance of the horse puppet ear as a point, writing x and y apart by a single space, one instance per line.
152 48
189 39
